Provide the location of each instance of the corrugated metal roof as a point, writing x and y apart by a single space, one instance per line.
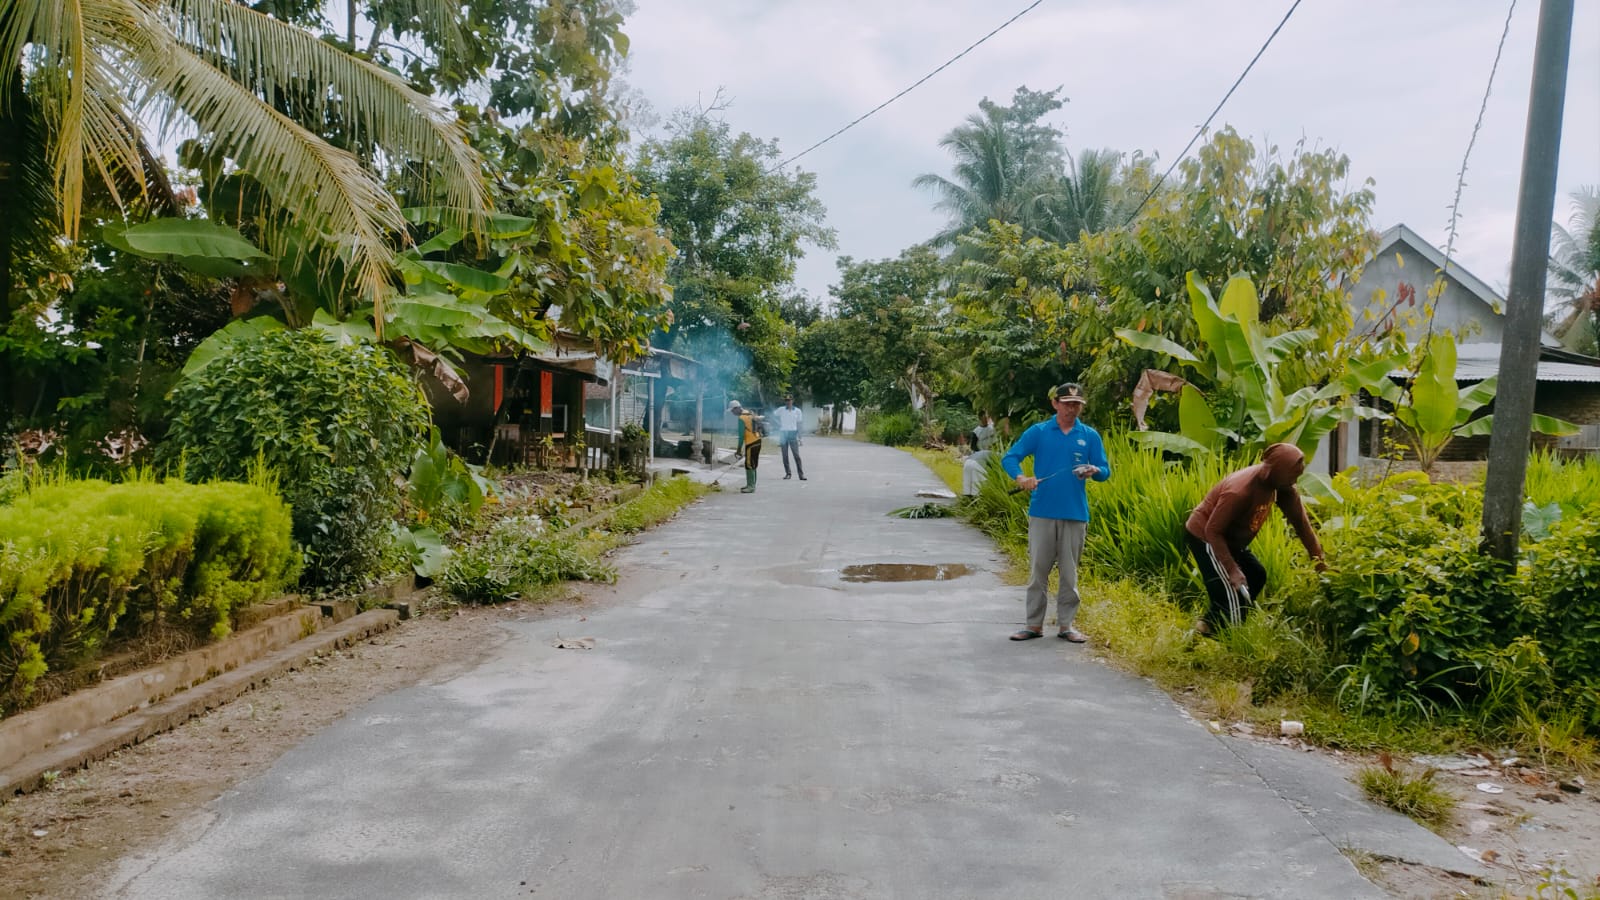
1479 360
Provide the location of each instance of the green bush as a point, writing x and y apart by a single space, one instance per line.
1564 586
84 563
338 424
897 429
952 424
516 556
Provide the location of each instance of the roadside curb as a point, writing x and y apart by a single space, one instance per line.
99 742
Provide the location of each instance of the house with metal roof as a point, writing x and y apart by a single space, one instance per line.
1393 292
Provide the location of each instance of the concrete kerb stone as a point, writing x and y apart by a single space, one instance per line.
98 743
37 730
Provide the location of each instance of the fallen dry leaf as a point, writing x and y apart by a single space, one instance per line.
585 643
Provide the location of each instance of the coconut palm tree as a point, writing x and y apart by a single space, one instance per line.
1092 196
1574 273
102 82
1006 164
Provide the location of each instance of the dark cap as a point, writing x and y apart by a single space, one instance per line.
1071 391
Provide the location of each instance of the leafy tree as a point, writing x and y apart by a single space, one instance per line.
739 225
830 367
1246 407
1017 317
1099 191
1435 410
1288 223
891 310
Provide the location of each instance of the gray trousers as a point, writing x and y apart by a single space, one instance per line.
1053 542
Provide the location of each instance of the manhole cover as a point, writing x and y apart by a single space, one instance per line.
905 572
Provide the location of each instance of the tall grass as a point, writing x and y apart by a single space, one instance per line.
1573 483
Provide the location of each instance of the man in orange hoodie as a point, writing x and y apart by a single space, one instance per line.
1220 530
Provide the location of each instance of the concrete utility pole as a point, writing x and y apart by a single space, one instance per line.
1519 349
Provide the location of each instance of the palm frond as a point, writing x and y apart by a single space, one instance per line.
320 188
277 59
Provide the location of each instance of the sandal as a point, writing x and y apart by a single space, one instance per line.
1027 634
1074 635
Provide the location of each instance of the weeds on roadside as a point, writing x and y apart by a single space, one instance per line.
1414 796
659 502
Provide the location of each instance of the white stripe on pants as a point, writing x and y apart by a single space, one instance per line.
1052 542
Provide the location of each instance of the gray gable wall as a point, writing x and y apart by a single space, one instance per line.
1468 308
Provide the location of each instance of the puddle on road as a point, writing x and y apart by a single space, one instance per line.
904 572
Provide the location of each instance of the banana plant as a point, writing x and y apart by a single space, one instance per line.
1435 411
1240 362
441 312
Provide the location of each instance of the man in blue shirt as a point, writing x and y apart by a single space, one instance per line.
1066 454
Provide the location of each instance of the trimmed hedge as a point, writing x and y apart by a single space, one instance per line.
83 563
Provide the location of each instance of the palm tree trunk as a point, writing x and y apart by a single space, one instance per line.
12 138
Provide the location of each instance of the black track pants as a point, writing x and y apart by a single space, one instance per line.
1228 606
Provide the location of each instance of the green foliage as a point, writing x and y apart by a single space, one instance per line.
1414 796
1017 326
829 364
1563 571
338 424
739 224
516 556
85 563
889 312
897 429
1434 411
1004 156
659 502
1236 360
576 230
240 80
1291 223
443 489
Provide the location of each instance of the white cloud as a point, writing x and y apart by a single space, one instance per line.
1394 86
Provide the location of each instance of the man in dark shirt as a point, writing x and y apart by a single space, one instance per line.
1220 530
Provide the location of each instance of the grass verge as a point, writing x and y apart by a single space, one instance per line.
1263 671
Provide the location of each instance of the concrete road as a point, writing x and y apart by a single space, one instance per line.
750 725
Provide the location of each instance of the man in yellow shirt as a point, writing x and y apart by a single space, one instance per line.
749 444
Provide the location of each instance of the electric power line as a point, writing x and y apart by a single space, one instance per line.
1461 183
1204 125
1461 178
913 87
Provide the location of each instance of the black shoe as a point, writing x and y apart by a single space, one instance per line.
802 478
786 477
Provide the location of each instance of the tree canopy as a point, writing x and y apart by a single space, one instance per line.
739 225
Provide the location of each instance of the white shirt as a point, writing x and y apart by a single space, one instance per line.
788 418
985 435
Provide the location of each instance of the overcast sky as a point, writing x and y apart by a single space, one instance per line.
1394 85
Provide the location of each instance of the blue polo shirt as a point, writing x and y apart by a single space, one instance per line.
1054 451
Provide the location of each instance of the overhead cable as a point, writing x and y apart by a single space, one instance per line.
908 90
1207 123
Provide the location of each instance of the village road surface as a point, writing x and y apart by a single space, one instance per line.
750 725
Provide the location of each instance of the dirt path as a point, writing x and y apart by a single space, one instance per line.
65 841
